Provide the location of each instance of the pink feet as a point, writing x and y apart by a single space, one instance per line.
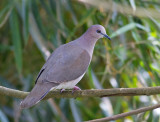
75 89
62 90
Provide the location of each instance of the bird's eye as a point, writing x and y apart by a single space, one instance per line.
98 31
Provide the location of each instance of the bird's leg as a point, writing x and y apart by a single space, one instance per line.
62 90
75 89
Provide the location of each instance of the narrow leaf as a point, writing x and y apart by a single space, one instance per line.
75 112
3 118
123 29
132 2
16 39
25 12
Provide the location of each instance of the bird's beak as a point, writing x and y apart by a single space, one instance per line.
105 35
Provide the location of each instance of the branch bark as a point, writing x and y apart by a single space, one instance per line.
87 93
119 116
94 93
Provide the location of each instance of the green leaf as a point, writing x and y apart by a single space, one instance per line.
4 14
25 13
4 10
84 19
3 118
121 53
91 84
132 2
136 36
123 29
38 18
16 39
75 111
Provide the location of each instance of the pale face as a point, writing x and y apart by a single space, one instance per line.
98 31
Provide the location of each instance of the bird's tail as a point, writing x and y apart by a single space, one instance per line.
38 93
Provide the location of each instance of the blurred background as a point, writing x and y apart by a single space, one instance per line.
31 29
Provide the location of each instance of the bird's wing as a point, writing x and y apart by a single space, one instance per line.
65 64
39 74
51 59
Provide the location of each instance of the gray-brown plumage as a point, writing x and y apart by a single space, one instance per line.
66 66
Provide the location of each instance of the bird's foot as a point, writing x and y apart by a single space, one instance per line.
62 90
75 89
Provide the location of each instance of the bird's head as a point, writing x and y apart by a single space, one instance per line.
97 31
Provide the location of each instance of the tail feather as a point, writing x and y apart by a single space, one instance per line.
38 93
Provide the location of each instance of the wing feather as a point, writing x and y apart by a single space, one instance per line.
65 64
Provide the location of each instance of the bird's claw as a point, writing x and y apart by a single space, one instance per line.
75 89
62 90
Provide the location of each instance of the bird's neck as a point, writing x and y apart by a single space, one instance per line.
87 42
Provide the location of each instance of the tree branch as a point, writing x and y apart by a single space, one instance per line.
95 93
87 93
119 116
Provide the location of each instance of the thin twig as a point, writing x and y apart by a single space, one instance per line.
122 115
87 93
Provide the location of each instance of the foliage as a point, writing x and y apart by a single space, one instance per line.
31 29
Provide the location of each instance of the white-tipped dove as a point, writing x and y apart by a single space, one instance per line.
66 66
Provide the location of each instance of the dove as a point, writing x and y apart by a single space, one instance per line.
66 66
